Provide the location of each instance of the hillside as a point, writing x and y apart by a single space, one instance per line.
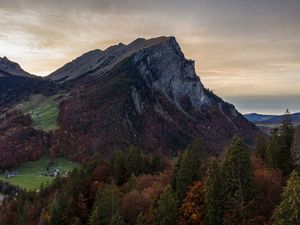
17 84
145 93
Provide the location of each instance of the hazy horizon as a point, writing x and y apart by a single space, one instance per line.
247 52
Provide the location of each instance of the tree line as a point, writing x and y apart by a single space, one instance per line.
237 187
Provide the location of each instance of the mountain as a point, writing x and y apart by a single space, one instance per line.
16 84
9 68
145 92
271 119
267 122
255 117
99 62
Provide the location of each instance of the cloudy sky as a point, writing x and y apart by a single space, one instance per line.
246 51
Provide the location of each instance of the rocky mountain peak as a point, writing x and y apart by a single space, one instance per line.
8 67
165 68
99 62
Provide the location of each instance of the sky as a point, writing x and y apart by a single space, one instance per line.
246 51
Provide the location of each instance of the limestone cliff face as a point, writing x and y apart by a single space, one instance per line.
164 68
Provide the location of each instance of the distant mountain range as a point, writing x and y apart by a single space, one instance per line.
271 119
267 122
145 93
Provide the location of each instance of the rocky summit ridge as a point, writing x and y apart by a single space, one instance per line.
8 67
145 93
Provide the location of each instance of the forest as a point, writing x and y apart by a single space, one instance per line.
239 186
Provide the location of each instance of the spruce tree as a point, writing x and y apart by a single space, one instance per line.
166 208
237 171
288 212
105 206
120 167
239 189
286 140
273 150
57 211
157 164
287 130
214 196
295 150
188 168
135 161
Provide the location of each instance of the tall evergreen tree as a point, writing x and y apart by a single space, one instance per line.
188 168
214 196
166 208
238 173
120 167
286 140
287 130
288 212
57 211
106 205
239 189
157 164
295 150
273 150
135 161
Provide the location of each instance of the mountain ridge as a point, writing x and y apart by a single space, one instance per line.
265 119
97 58
8 67
145 93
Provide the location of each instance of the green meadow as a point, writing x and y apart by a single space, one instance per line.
29 173
43 111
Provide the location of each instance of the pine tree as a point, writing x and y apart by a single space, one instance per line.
295 150
57 211
106 205
157 164
286 140
135 161
214 196
188 168
287 130
120 167
288 212
273 150
166 208
261 146
237 171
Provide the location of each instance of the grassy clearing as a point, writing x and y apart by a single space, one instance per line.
30 177
43 110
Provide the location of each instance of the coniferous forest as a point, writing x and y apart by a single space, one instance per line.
239 186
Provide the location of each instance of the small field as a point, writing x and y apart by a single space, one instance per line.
43 110
29 173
